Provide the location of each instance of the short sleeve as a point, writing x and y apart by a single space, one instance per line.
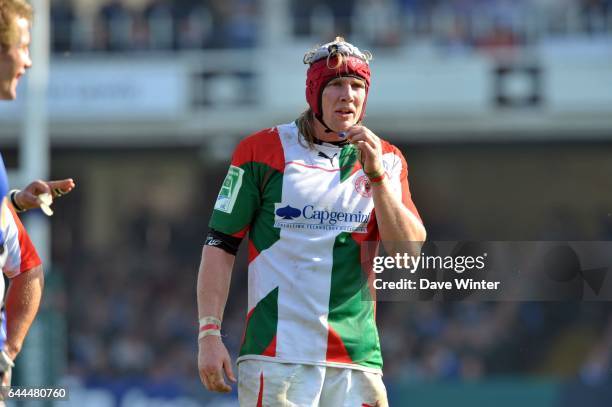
240 196
19 250
237 201
399 177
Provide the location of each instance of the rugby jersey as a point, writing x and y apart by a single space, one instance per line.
3 191
18 248
309 215
17 254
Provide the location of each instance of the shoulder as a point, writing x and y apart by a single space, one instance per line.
392 154
260 139
263 146
388 148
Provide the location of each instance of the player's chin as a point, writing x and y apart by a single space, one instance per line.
6 93
14 89
9 92
344 125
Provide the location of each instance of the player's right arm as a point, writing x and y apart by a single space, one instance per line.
23 267
213 284
26 199
235 208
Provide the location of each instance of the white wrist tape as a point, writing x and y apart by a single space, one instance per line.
11 195
209 326
5 361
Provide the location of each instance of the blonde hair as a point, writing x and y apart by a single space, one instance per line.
306 128
10 11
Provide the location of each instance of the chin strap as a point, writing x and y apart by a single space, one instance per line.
341 134
327 129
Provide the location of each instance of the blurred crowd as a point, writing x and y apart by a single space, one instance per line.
139 325
130 25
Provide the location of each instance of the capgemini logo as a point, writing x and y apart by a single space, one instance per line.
288 212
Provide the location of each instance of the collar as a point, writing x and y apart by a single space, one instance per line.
331 143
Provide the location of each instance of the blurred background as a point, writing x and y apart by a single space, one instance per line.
503 109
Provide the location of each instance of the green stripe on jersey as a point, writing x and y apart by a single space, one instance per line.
262 325
263 234
260 186
348 156
351 315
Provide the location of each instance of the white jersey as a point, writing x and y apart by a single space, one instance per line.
17 251
312 224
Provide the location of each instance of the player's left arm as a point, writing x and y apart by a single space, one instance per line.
27 198
26 280
398 222
22 302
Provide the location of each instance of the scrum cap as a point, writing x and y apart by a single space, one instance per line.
324 66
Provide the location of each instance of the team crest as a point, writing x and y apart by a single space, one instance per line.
362 185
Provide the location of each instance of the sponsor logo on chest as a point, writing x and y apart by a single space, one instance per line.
310 216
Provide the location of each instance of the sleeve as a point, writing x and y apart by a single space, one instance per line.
239 196
399 178
21 255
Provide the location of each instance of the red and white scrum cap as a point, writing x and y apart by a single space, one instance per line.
324 67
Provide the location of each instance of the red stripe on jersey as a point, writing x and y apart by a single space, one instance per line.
313 166
261 390
263 147
29 256
241 233
271 349
356 167
253 252
336 350
406 198
246 325
368 243
368 249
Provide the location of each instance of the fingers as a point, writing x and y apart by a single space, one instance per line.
365 147
227 367
37 187
371 160
28 197
27 200
213 380
204 379
217 383
61 187
360 133
354 130
211 375
369 145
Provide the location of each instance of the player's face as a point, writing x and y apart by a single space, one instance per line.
342 102
15 60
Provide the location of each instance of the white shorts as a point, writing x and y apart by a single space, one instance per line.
273 384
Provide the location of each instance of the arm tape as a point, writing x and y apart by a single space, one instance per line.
225 242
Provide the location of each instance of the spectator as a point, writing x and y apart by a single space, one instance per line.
63 20
116 25
160 23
